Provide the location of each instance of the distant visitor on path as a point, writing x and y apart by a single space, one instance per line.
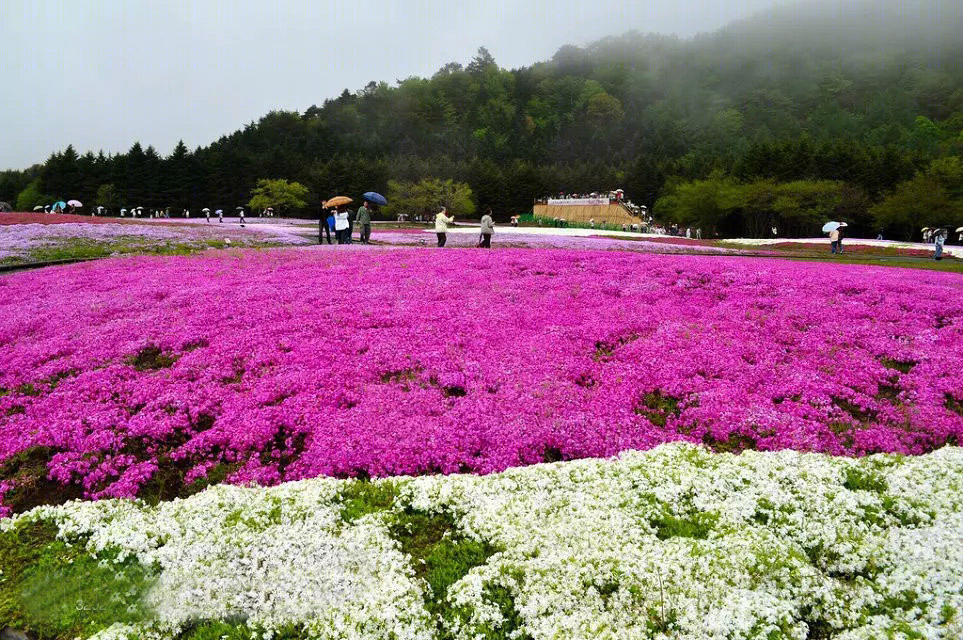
442 220
363 218
834 241
487 229
938 244
241 216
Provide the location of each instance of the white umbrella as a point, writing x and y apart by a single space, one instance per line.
38 208
924 229
959 230
75 203
843 224
831 226
205 210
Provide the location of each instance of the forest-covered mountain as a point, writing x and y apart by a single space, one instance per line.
863 95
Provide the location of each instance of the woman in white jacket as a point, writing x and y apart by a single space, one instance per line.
341 225
442 220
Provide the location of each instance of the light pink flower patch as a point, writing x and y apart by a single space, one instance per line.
290 364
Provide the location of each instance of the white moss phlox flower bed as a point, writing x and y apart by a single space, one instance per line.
675 542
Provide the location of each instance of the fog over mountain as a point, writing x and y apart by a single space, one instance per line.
100 74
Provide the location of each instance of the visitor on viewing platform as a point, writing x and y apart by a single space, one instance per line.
487 229
938 244
442 220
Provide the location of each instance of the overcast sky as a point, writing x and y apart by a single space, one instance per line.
102 74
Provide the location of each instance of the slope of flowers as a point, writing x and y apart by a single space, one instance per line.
288 364
671 543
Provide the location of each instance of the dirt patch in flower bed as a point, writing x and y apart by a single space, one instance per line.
158 375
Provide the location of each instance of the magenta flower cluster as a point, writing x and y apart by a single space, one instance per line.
289 364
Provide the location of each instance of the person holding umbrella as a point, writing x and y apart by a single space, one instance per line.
220 215
207 214
938 239
329 223
371 199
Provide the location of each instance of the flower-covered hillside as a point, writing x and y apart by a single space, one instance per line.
671 543
146 375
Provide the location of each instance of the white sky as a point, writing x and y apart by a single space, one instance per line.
102 74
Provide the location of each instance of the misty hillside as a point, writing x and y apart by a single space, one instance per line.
868 94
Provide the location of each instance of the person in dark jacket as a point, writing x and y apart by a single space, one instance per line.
325 224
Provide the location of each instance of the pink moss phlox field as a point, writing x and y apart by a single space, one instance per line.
561 240
288 364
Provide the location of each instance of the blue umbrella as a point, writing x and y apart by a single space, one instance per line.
58 205
375 198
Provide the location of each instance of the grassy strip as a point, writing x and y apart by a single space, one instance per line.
440 555
56 590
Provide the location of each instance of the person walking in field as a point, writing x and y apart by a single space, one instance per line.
341 225
487 229
241 215
442 220
834 241
363 220
938 241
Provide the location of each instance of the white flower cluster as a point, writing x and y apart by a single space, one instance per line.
671 543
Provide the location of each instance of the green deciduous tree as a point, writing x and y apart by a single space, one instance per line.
279 194
427 195
934 197
31 197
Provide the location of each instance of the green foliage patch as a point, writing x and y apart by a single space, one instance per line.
54 589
